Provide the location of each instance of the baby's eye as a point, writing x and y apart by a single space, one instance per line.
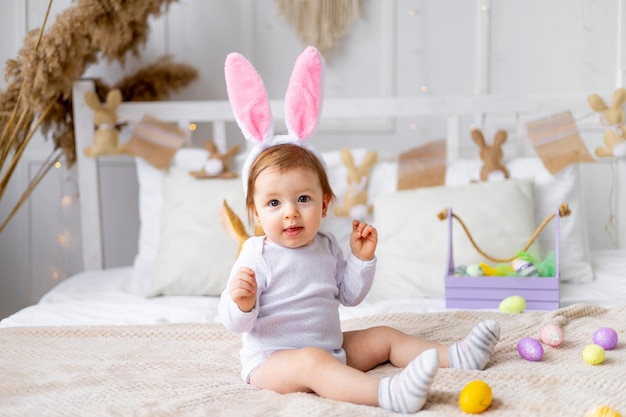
273 203
304 199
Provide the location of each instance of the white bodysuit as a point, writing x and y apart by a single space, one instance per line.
298 295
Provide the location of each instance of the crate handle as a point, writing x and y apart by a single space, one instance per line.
563 211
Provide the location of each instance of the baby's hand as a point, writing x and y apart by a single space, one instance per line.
243 289
363 240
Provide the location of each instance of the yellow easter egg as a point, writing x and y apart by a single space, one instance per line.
513 304
475 397
593 354
602 411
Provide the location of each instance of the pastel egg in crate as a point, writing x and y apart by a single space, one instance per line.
523 268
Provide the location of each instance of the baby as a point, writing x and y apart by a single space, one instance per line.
285 288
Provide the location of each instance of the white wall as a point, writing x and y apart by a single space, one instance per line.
397 47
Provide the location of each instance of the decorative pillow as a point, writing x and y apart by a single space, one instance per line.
150 181
194 250
550 192
413 246
151 197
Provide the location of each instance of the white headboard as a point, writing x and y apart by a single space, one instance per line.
510 112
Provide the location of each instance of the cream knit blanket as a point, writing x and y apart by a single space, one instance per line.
193 370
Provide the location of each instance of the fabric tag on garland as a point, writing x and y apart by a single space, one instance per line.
155 141
424 166
557 141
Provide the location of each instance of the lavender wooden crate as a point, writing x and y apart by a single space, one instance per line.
540 293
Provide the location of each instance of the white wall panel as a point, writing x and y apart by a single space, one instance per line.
361 66
561 46
15 273
195 35
11 22
621 43
449 45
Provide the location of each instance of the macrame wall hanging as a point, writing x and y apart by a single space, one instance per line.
321 23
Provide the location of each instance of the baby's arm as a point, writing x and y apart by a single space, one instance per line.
363 240
243 289
237 308
356 272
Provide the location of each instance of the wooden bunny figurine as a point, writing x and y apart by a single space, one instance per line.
106 137
218 164
492 168
613 119
354 201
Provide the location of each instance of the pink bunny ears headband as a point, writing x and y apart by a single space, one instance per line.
251 106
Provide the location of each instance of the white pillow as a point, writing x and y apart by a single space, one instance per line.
195 253
550 192
413 242
150 181
150 213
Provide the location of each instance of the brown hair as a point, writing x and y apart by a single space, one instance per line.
285 157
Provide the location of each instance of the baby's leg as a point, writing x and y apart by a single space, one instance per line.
475 351
315 370
368 348
406 391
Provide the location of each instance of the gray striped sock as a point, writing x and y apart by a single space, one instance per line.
475 351
406 391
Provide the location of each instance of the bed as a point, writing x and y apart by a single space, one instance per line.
145 339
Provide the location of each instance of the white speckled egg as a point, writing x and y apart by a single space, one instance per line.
530 349
552 335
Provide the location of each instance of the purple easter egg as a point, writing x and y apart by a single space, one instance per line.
605 337
530 349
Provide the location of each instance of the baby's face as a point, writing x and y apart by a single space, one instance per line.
290 206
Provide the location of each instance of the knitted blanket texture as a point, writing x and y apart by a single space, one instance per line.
193 369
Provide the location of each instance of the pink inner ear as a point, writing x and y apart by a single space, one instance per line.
303 101
248 98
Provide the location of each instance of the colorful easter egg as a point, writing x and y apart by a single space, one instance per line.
475 397
593 354
459 271
530 349
603 411
513 304
552 335
474 270
523 268
605 337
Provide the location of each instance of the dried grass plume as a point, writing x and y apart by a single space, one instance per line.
40 78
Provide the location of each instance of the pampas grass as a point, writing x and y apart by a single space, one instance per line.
156 81
40 78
